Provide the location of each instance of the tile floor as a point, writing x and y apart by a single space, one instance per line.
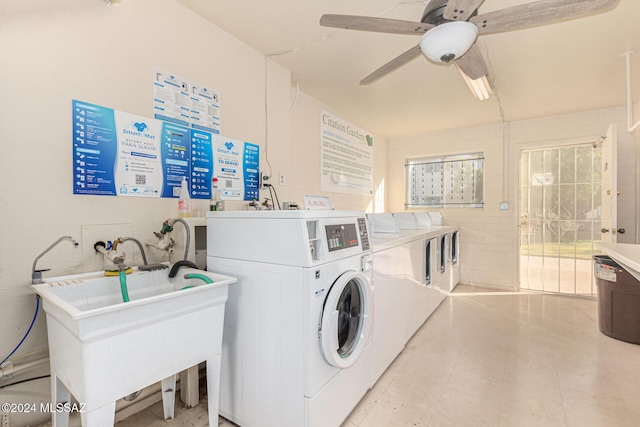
490 359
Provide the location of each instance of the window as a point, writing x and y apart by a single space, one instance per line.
445 181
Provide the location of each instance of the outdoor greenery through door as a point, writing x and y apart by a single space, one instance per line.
560 214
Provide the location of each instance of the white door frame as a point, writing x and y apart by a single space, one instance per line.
610 192
515 154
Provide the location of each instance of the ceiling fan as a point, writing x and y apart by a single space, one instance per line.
449 29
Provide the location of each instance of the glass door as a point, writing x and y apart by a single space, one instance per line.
346 319
560 218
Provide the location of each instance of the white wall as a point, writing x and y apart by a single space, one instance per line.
489 238
483 231
53 52
305 153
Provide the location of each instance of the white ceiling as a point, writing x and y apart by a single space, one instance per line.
549 70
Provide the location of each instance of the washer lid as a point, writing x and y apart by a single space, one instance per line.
346 319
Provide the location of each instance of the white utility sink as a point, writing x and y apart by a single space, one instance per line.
102 349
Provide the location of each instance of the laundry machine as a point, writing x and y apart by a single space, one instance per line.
404 275
454 258
296 345
442 273
447 274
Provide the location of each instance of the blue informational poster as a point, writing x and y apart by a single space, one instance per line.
201 164
121 154
251 170
95 145
236 166
175 158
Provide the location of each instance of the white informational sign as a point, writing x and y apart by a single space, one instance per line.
542 179
177 100
171 100
205 109
138 166
346 161
236 165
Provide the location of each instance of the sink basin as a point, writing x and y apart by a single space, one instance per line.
91 294
102 349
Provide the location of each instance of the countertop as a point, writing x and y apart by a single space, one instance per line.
625 254
382 241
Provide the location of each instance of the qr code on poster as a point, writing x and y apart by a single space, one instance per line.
228 183
141 179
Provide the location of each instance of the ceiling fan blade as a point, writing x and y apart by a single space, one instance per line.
379 25
538 13
392 65
461 10
473 64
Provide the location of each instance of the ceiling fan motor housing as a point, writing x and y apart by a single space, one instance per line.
448 41
434 12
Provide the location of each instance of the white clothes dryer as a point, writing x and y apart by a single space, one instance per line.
296 347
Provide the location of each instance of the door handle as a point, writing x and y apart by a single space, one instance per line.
613 231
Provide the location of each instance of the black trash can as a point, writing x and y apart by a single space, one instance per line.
618 300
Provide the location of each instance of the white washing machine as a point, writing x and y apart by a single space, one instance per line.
406 291
454 258
447 274
296 347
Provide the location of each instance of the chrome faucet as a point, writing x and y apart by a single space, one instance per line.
172 222
36 275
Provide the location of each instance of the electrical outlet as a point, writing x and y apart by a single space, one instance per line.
282 179
264 179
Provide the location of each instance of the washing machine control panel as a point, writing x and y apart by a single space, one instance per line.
341 236
364 235
344 236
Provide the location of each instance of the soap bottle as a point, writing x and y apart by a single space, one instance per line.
184 200
216 203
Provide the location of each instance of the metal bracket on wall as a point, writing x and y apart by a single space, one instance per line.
631 127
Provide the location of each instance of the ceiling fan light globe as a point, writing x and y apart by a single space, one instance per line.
448 41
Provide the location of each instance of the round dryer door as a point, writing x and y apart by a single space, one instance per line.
346 319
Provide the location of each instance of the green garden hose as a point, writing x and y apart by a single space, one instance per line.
202 277
123 286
